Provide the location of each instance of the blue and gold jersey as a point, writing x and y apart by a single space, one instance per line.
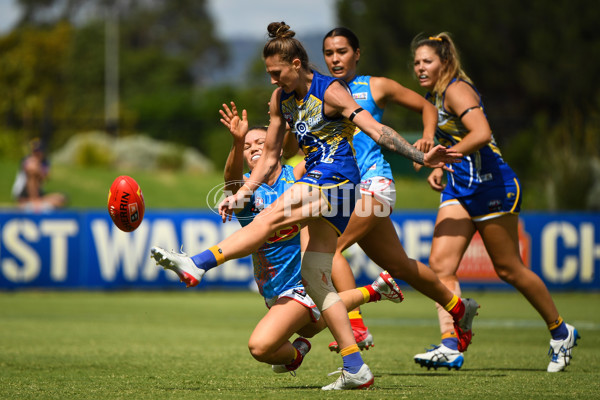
323 140
368 153
479 170
277 261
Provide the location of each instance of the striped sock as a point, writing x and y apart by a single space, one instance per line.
369 294
558 329
209 259
450 340
456 308
352 358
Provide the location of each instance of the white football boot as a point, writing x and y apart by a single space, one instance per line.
360 380
560 350
388 288
179 263
440 356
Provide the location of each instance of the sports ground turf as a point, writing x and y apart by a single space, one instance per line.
192 345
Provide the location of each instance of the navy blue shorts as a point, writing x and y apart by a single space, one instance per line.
340 193
490 203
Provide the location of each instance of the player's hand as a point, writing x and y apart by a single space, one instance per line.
439 156
234 202
238 127
423 145
435 179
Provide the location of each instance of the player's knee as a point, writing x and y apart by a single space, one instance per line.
259 349
316 275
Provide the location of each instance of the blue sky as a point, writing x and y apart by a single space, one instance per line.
242 18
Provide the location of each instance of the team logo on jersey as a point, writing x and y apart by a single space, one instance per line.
259 203
288 117
360 96
301 127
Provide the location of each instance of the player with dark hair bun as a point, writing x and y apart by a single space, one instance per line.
320 112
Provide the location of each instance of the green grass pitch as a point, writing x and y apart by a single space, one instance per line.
191 344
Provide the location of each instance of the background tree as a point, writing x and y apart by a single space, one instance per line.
533 63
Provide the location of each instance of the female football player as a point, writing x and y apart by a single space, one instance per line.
277 262
320 111
482 194
370 225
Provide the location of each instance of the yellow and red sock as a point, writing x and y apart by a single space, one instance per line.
356 320
370 294
456 308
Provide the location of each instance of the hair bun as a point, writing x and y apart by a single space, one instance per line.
280 30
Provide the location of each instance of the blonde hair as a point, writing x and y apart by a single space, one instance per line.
445 49
283 44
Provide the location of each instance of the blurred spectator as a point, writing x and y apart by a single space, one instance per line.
28 189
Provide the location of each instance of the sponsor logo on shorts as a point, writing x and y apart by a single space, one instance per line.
495 205
486 177
314 174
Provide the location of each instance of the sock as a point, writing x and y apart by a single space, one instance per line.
456 308
369 294
450 340
352 358
558 329
209 259
297 359
356 320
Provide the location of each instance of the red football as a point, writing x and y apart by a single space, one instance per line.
126 203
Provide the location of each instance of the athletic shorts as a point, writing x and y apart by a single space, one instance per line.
299 295
491 203
340 193
383 189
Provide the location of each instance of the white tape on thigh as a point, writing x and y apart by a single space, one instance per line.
316 276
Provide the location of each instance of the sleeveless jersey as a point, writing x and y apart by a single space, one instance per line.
368 153
277 261
326 142
478 171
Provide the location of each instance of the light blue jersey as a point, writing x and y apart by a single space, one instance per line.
368 153
277 261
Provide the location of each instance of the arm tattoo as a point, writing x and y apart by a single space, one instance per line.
391 140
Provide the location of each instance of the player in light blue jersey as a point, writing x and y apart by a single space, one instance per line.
370 225
482 194
320 111
277 262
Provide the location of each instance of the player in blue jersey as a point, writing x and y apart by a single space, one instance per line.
482 194
320 112
370 225
277 262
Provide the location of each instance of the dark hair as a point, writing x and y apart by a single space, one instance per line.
345 32
283 43
445 49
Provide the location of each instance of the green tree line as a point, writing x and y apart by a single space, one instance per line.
534 62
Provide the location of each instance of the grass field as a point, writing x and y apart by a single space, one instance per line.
192 345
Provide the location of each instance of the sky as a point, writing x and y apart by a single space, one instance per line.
241 18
